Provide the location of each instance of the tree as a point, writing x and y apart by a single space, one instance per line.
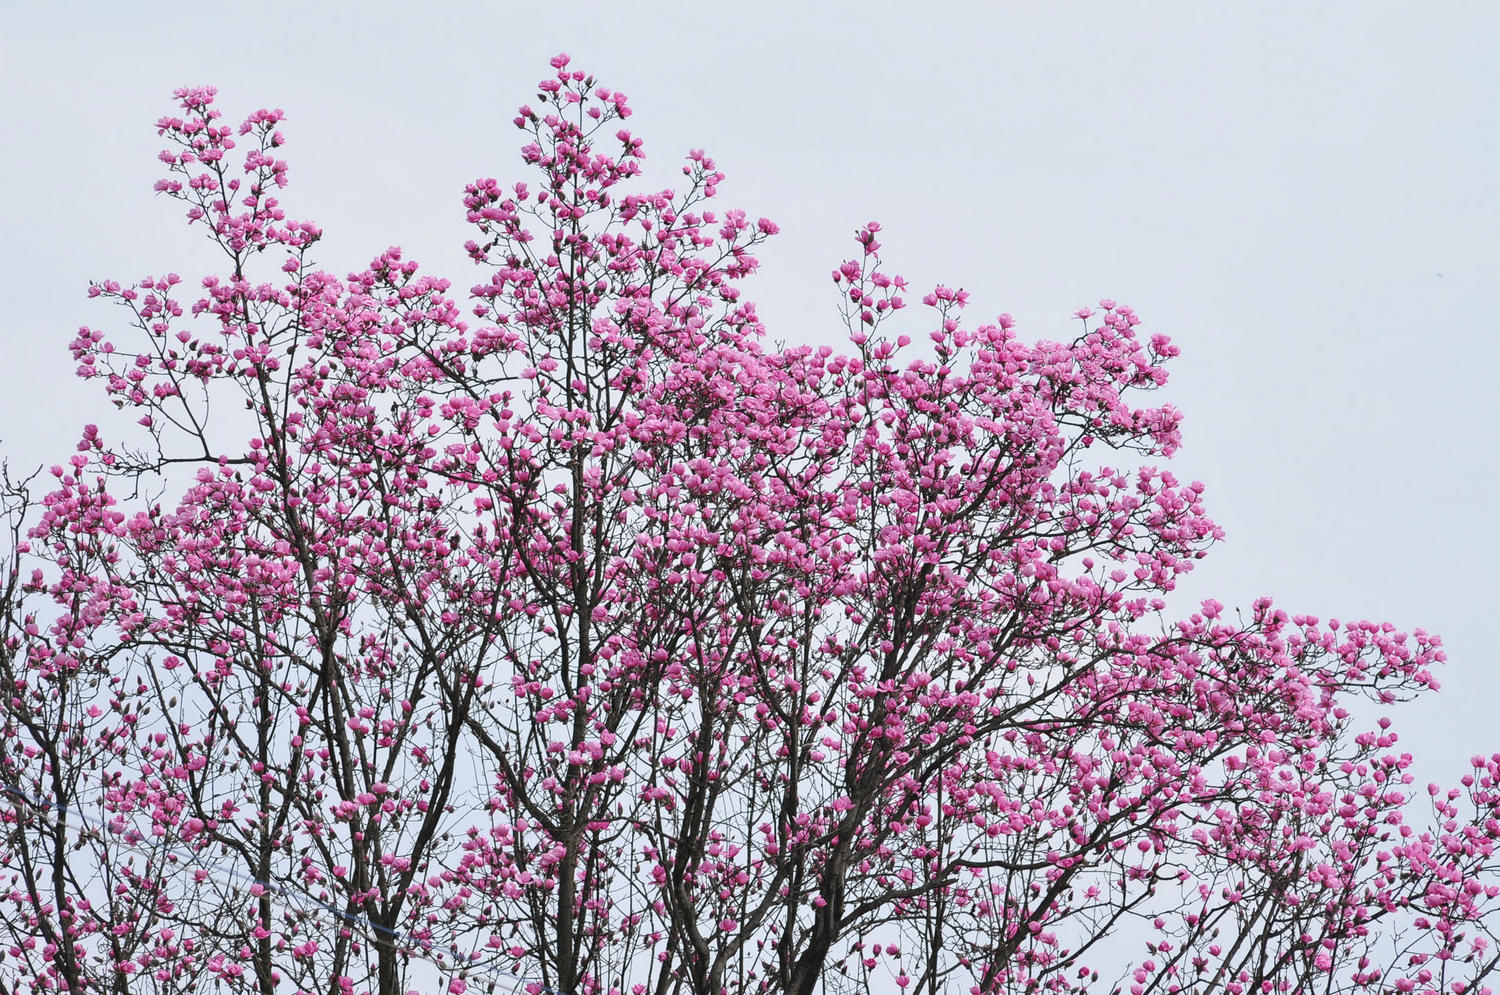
592 640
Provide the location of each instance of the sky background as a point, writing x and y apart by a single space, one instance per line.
1302 195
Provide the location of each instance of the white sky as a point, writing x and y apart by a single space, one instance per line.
1302 196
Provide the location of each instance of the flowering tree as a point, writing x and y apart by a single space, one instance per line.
591 642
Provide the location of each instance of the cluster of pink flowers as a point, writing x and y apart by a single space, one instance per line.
587 638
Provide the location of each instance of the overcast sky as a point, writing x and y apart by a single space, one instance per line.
1302 195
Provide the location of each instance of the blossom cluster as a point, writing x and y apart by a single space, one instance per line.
576 633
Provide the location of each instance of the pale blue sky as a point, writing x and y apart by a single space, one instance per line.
1302 195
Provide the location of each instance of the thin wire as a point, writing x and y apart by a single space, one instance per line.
49 812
